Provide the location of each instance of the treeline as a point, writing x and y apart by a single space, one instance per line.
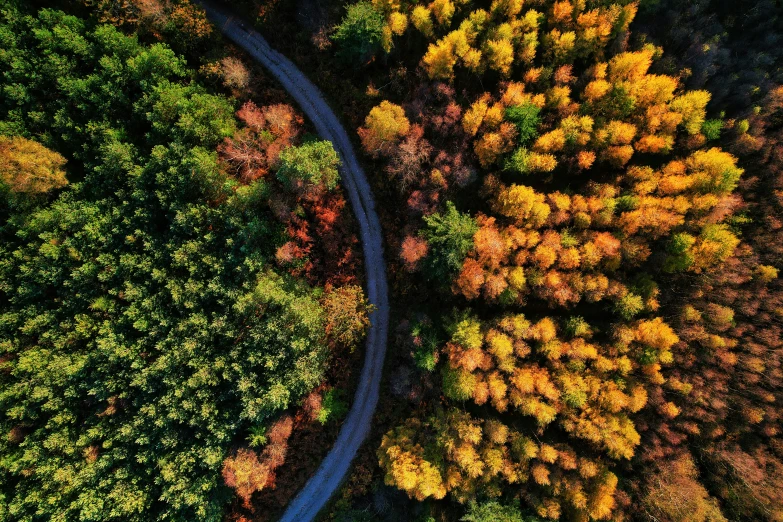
608 240
173 279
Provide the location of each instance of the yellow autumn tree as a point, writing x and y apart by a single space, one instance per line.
27 167
421 18
500 54
402 458
383 128
522 204
692 107
474 116
443 11
440 59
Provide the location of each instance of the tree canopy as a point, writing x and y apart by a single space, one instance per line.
144 324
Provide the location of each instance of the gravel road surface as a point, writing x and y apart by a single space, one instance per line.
329 475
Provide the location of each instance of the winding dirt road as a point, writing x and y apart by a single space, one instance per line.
327 478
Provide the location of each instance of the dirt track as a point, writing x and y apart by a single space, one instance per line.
330 473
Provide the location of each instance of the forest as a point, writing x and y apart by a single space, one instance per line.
580 203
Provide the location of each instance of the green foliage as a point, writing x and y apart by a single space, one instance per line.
360 34
679 257
425 359
458 384
257 437
493 511
576 326
618 103
310 166
567 239
64 84
508 297
629 306
722 243
518 161
426 343
574 397
627 202
645 286
333 407
141 327
450 238
347 310
720 173
711 129
526 118
191 115
465 330
738 221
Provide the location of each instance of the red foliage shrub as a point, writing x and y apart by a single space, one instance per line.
413 250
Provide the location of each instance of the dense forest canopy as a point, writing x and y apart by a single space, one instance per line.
581 204
146 325
593 279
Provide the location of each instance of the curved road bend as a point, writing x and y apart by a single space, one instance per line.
329 475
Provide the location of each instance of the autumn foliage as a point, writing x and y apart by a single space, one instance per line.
27 167
248 471
625 317
254 150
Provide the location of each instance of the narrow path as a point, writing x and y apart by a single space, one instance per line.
330 473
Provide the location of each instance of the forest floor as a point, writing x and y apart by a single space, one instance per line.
318 490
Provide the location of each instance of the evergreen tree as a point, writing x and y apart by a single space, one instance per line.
360 34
